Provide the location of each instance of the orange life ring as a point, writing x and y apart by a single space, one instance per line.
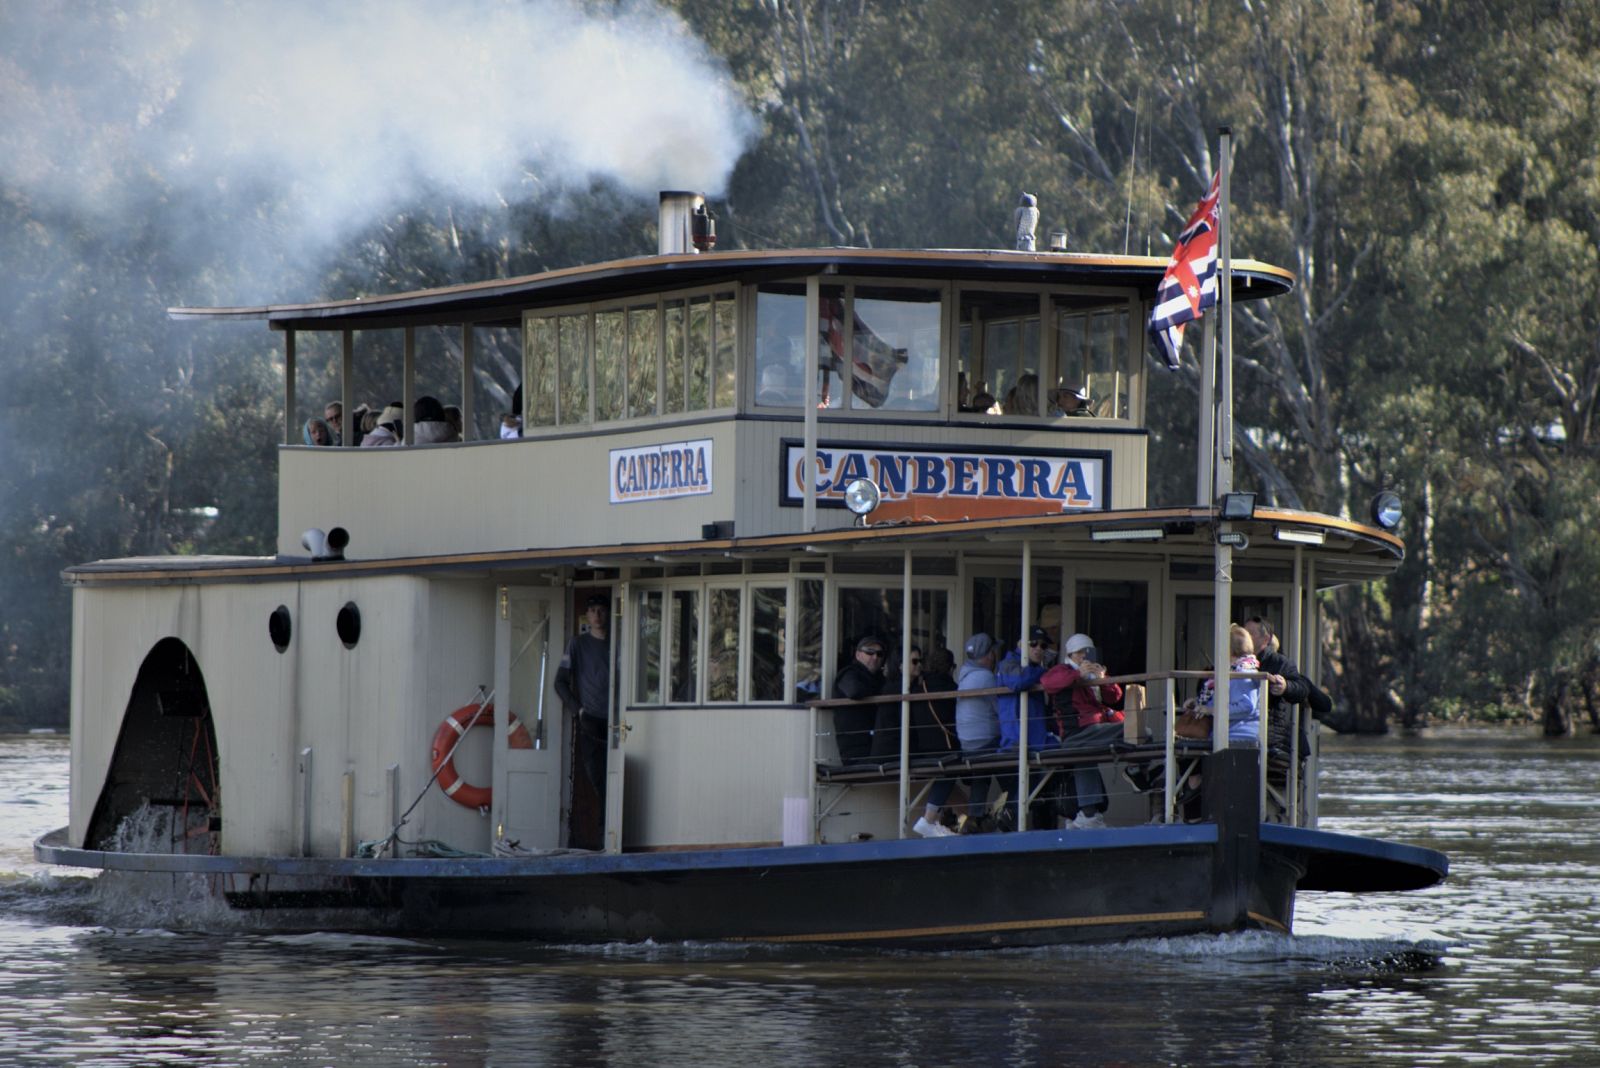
454 726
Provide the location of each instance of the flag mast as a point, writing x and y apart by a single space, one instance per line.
1222 585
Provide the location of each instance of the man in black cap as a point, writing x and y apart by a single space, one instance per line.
862 677
583 682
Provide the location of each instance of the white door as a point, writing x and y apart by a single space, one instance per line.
528 772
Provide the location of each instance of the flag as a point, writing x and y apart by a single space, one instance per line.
1190 285
875 361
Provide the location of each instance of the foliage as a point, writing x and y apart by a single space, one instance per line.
1427 170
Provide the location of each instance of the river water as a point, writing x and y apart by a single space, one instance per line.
1500 964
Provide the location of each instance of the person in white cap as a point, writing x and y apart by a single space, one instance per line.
1085 702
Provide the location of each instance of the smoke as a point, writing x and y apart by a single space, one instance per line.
304 121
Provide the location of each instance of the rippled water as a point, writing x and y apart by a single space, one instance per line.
1501 964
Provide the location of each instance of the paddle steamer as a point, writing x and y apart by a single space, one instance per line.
754 458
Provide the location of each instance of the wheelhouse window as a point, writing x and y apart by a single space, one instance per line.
1096 356
664 356
998 344
878 347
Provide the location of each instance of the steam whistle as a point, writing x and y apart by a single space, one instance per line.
702 229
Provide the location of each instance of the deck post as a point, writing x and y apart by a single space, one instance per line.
808 489
349 432
288 388
1023 709
409 374
469 352
1170 772
905 687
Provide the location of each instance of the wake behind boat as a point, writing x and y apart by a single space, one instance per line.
735 466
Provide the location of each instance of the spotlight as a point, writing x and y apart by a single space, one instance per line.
861 496
1237 506
1386 510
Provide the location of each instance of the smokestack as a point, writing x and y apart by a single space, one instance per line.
685 225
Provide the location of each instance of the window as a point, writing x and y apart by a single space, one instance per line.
540 372
768 611
683 660
642 369
660 356
610 360
647 669
999 352
1093 354
572 393
878 347
722 647
877 611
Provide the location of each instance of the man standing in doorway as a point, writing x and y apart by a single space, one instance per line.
583 682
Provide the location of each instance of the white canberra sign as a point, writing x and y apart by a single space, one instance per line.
657 472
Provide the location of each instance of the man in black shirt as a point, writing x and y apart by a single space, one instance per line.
862 677
583 682
1288 687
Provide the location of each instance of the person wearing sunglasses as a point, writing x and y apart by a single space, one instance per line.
933 731
1021 672
862 677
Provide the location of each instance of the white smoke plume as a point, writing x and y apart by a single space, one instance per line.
327 115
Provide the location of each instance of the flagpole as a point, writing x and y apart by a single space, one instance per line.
1222 587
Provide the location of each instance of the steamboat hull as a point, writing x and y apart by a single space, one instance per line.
1030 889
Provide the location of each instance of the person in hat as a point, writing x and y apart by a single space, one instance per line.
977 717
1070 400
1021 672
1079 700
388 429
583 682
861 678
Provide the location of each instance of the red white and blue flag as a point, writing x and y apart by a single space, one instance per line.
1190 285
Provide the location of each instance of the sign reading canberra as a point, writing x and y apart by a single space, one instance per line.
658 472
952 485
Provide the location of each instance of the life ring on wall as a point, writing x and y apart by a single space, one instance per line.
454 726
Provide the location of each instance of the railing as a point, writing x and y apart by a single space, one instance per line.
1219 739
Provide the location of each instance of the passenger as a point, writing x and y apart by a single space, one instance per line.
316 432
1050 620
583 682
932 731
1287 686
1081 701
1244 718
1023 398
1070 400
387 428
861 678
333 413
977 718
452 415
510 426
428 425
1020 676
983 401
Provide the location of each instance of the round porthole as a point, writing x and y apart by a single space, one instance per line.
348 624
279 628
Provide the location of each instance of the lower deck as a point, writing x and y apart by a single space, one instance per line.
286 708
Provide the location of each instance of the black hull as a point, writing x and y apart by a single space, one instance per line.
978 892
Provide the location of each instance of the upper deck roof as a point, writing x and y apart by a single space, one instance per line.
501 301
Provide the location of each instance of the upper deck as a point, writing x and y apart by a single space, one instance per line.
668 397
